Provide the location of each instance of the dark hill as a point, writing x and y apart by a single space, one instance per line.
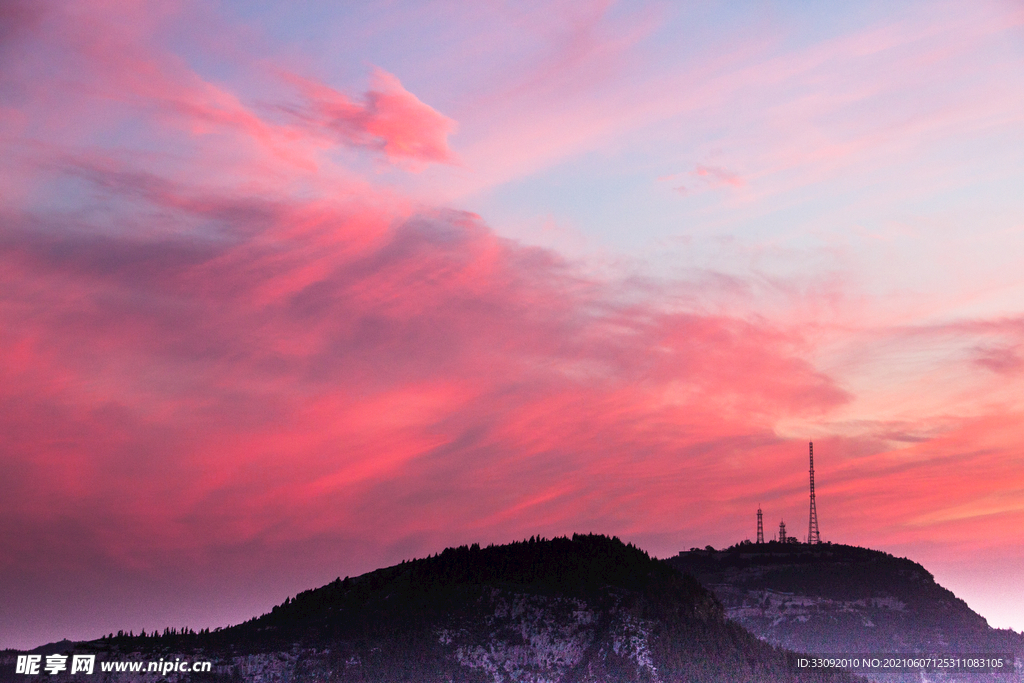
589 608
831 598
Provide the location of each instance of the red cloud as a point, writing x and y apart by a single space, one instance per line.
205 378
113 74
301 369
389 119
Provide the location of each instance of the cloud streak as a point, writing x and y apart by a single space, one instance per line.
274 383
233 339
390 119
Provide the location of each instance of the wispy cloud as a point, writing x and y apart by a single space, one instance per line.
389 119
231 338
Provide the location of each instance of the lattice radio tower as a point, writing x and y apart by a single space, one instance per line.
812 527
760 528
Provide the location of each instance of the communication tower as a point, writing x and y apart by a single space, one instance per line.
760 528
812 526
782 532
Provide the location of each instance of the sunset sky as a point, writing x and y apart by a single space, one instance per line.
292 291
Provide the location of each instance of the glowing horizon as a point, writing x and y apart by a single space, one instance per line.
296 293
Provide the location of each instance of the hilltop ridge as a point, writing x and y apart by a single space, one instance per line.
834 598
587 608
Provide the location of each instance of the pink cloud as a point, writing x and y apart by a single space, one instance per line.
718 176
281 374
17 17
389 119
1000 360
227 350
110 69
705 177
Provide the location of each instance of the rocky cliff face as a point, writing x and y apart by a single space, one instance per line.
841 599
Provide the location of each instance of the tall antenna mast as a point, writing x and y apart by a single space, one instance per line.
760 528
812 526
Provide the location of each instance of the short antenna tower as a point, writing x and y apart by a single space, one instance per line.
812 525
760 527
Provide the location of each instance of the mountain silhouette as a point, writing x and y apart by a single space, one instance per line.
832 598
586 608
